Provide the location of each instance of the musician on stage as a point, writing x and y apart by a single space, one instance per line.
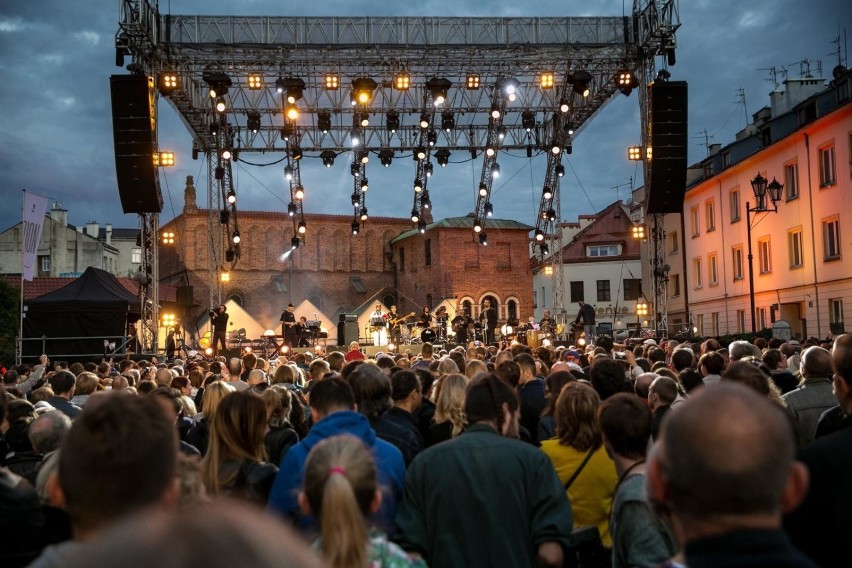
587 314
547 323
489 318
288 326
303 334
460 323
378 325
426 319
219 318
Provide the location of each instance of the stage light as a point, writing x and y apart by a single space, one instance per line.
354 137
324 121
208 351
634 153
220 106
477 226
544 250
555 148
483 239
299 192
551 215
167 320
638 232
169 82
355 170
495 170
255 81
472 81
236 237
509 87
663 75
168 238
288 172
226 154
528 120
495 111
292 208
428 169
291 87
443 157
363 90
327 157
287 131
569 128
490 151
501 132
581 80
432 137
560 170
365 185
355 227
483 190
547 193
218 81
648 153
564 106
219 173
438 88
539 235
626 81
424 120
164 159
420 153
232 197
402 82
425 201
253 120
247 349
295 242
448 121
230 255
385 157
302 227
365 120
546 80
414 216
355 199
363 156
421 226
489 210
418 185
332 82
292 112
224 217
363 213
285 349
392 121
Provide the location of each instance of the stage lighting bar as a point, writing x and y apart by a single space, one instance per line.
164 159
634 153
255 81
169 82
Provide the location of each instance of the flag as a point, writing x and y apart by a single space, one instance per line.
34 209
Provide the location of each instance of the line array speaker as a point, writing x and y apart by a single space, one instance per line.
668 146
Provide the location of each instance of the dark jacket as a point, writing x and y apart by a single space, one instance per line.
199 435
408 441
253 481
65 406
278 440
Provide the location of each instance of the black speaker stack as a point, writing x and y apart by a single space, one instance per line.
668 100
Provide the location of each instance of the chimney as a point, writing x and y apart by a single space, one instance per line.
108 231
189 205
58 214
713 149
795 91
92 229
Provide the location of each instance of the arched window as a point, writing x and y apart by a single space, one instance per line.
389 300
512 311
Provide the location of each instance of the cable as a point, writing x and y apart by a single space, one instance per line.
581 187
275 195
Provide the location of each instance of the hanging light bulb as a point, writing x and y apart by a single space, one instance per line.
414 216
299 193
483 190
232 197
288 173
236 237
477 226
547 193
302 227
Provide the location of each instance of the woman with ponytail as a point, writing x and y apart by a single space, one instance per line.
340 490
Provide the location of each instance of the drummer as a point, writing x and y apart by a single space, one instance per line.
426 319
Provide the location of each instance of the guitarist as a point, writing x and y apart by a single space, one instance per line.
460 324
394 321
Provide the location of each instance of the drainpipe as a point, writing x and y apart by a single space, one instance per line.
813 232
686 268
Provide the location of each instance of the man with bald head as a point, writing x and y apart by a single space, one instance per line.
822 524
814 396
642 385
723 473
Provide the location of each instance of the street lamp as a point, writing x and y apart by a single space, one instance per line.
760 187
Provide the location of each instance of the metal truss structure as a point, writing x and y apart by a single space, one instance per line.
313 86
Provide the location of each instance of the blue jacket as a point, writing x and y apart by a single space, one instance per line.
283 497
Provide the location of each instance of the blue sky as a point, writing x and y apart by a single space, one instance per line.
56 134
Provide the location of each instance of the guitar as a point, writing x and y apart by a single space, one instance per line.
394 322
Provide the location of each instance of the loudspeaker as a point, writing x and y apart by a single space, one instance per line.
184 295
668 146
350 332
134 128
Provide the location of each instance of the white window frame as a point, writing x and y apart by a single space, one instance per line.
710 214
791 180
795 248
831 238
735 205
737 262
827 169
713 269
764 255
695 222
696 272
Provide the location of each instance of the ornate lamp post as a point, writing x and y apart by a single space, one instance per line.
760 188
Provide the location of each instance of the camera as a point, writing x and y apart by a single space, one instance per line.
619 355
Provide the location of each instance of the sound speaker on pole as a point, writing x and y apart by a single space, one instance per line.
134 129
668 146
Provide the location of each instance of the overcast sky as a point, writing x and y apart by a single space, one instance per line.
56 57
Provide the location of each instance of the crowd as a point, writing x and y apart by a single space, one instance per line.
669 454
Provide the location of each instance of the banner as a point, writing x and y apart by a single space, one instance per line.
35 207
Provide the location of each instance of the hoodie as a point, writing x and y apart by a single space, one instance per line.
283 498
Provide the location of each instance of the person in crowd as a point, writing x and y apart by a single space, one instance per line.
530 385
638 538
682 358
199 435
608 377
118 458
741 349
661 396
63 384
820 526
510 373
723 473
288 326
553 385
691 380
354 353
333 413
451 487
450 419
474 367
407 397
235 463
711 365
815 395
581 462
775 362
586 314
341 491
48 430
281 435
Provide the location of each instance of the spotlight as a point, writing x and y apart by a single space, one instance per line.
564 106
294 243
432 137
551 215
332 82
509 87
285 349
288 172
354 137
208 351
365 185
546 80
443 157
547 193
429 169
626 81
324 121
402 82
236 237
363 213
292 112
220 106
438 88
365 120
560 170
501 132
421 226
169 82
226 154
663 75
424 120
218 81
539 235
418 185
327 157
363 89
420 153
528 120
302 228
255 81
224 216
414 216
472 81
219 173
385 157
569 128
634 153
355 170
363 156
286 132
230 255
164 159
448 121
544 249
291 87
355 227
425 201
168 238
581 80
490 151
489 210
292 208
253 120
638 232
232 197
569 148
495 111
355 200
299 192
483 190
392 121
495 170
555 148
477 226
483 239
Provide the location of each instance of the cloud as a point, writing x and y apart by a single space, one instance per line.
88 37
12 25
